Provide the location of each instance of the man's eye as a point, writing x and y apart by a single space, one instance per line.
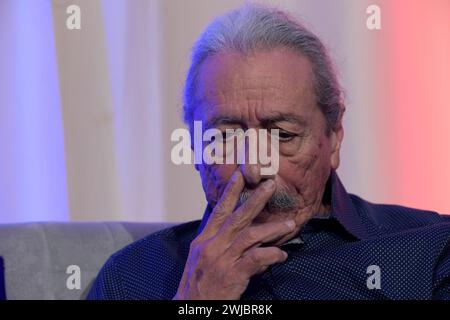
286 136
224 136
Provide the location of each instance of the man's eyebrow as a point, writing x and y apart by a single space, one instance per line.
221 120
292 118
230 120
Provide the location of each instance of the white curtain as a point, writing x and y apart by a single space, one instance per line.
86 115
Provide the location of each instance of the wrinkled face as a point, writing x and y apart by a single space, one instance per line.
269 90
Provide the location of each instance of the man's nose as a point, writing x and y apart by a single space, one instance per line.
251 168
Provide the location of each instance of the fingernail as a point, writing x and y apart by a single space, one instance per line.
285 255
269 184
290 224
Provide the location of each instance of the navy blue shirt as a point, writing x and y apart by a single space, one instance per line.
407 250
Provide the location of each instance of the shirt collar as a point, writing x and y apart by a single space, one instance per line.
342 209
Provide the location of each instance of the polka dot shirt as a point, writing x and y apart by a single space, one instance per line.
363 251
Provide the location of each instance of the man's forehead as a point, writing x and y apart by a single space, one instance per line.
274 73
258 88
265 87
214 119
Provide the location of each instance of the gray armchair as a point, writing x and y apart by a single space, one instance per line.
52 260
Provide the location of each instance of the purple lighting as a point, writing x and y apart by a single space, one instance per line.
32 163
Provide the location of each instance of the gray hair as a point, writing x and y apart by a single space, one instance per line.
281 200
257 27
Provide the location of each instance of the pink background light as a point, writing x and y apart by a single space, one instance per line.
415 85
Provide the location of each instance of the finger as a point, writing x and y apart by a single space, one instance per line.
226 204
245 214
256 235
257 259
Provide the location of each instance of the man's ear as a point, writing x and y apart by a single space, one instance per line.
336 136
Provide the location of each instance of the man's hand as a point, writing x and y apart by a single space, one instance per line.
228 252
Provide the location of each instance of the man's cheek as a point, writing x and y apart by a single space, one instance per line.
295 168
302 172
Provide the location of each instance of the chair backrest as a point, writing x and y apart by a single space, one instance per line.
60 260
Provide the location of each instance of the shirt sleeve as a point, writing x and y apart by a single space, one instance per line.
108 284
441 283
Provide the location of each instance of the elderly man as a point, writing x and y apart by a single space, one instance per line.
293 235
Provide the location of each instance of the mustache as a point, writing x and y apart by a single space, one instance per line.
281 200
